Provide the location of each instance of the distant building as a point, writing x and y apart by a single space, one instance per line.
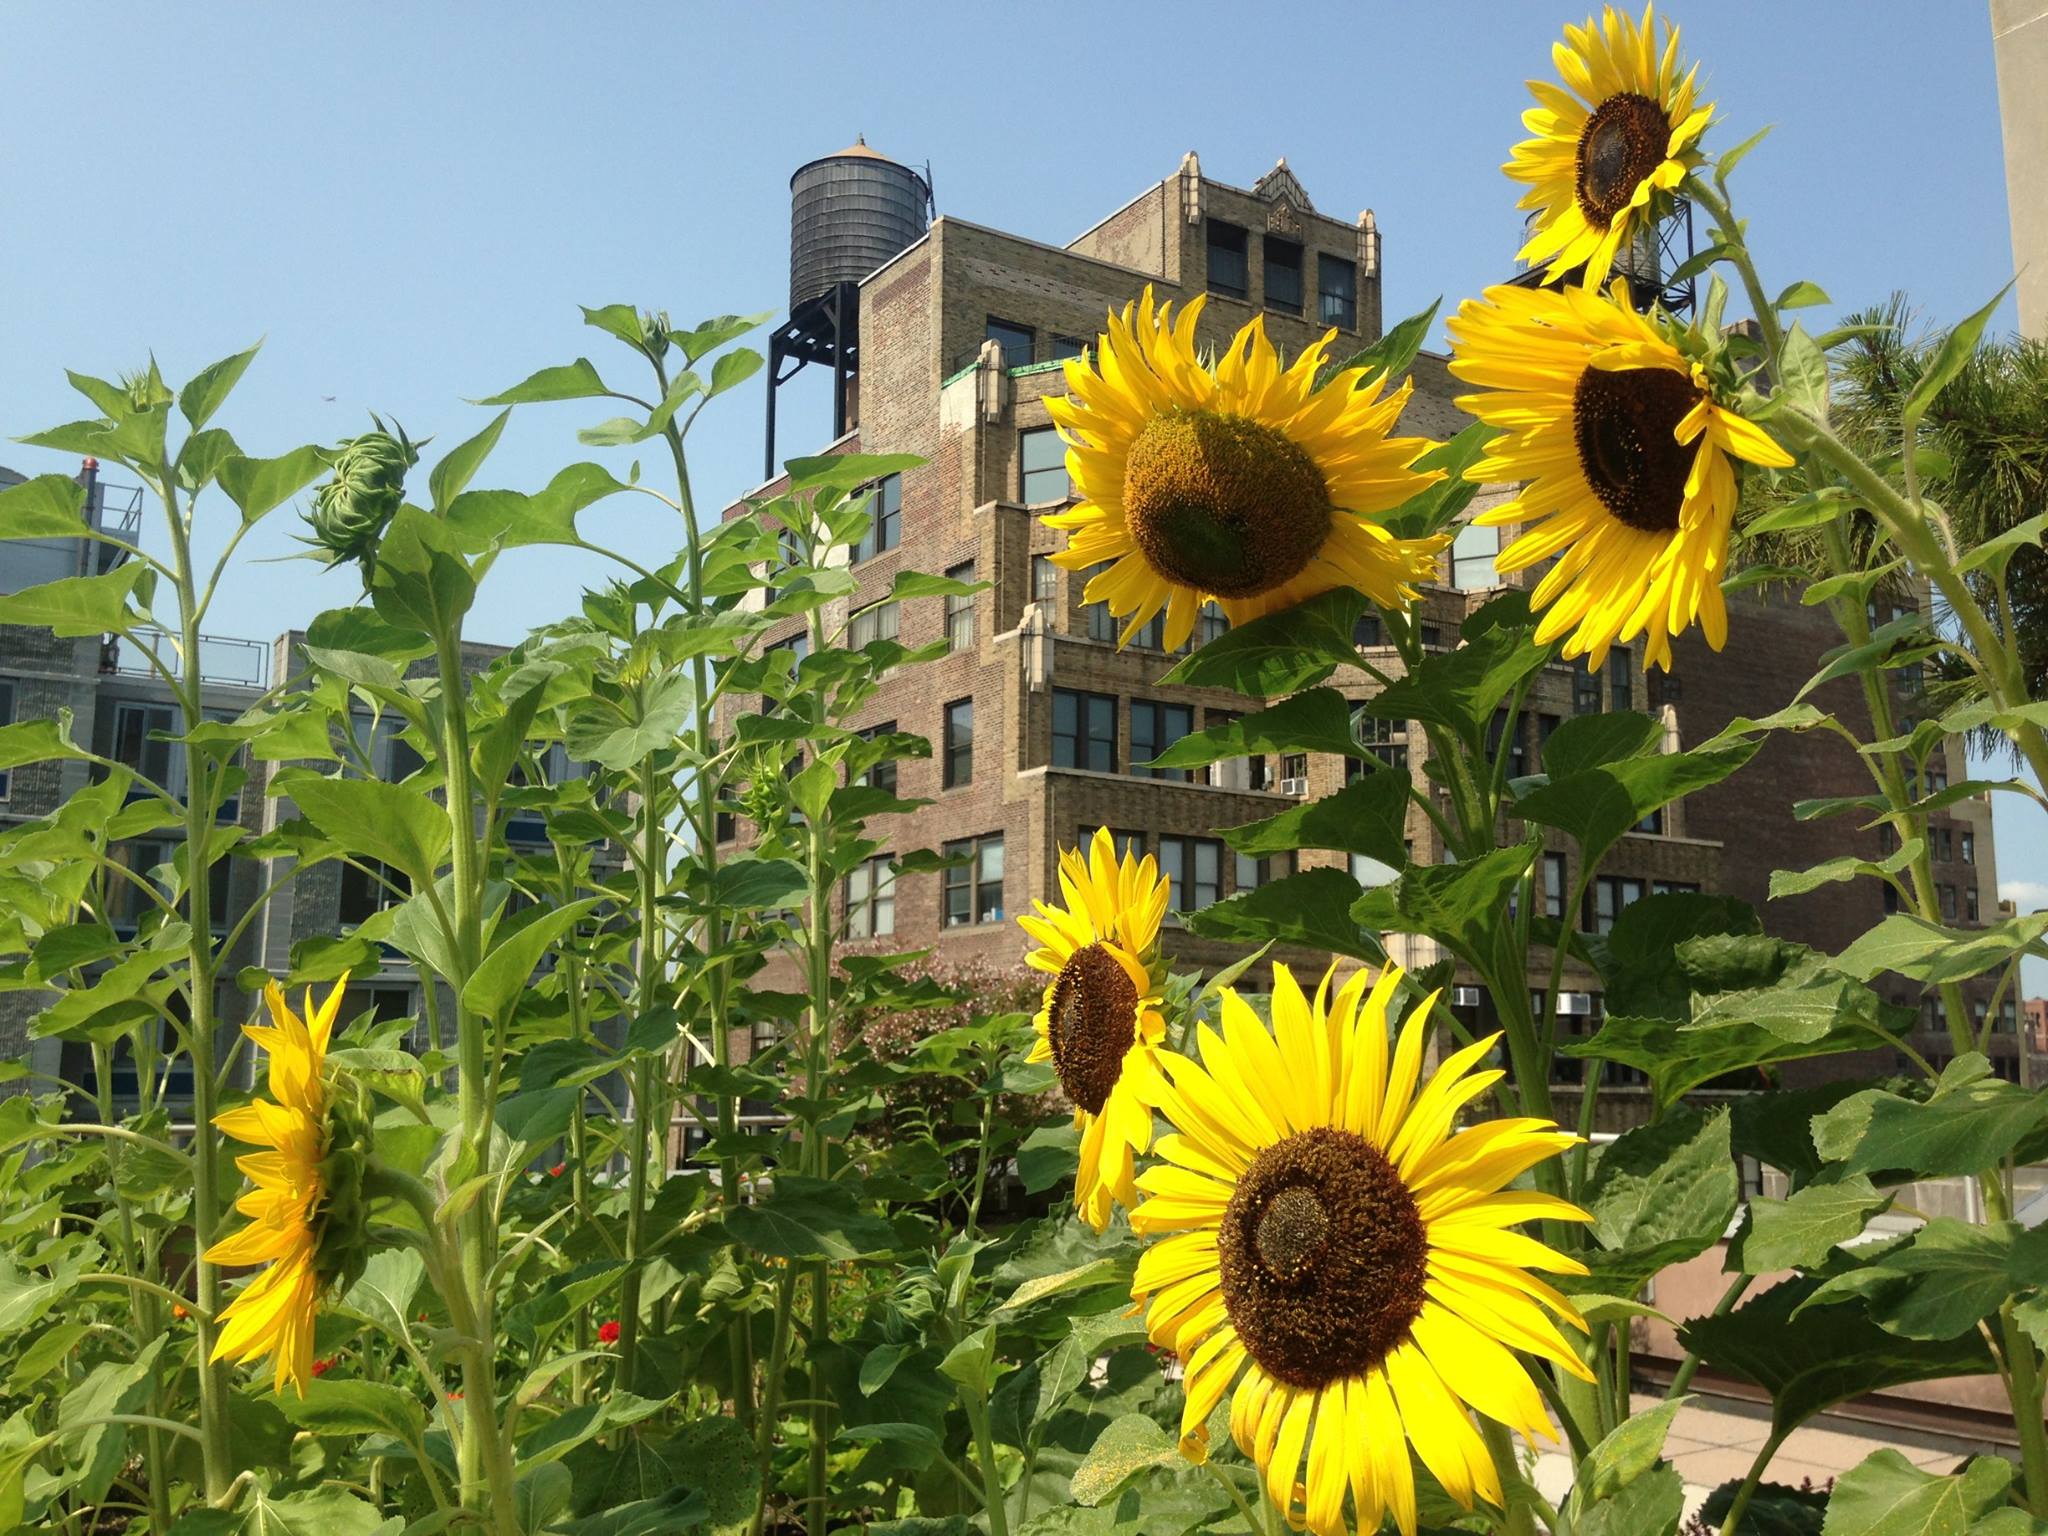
1039 723
2019 40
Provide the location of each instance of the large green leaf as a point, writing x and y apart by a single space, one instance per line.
93 1448
1595 807
1800 1231
1660 1194
1459 905
1886 1495
399 825
805 1219
1312 907
1625 1454
1826 1357
510 519
209 387
38 741
1369 816
1583 742
494 988
1969 1123
422 578
1280 653
1393 353
47 507
1951 1275
354 1408
75 606
1950 358
571 381
459 465
1930 953
1316 720
1461 688
1126 1447
258 486
1679 1058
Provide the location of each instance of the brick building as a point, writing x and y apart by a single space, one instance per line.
1040 725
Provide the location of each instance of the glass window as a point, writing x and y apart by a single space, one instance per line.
1387 740
1154 728
1067 346
973 891
960 610
1083 730
1936 777
883 775
1969 847
1943 842
1248 772
1210 624
1611 893
1044 460
1255 872
1337 289
1433 636
886 531
1948 901
1472 556
958 767
1194 870
871 899
1553 885
1283 274
1370 872
1229 273
1015 340
1045 579
139 741
1674 888
1620 679
1366 630
6 718
1585 692
871 624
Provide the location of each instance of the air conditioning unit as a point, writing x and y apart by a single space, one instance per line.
1294 786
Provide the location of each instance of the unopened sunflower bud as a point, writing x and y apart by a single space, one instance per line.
351 511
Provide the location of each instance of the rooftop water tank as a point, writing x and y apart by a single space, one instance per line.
848 214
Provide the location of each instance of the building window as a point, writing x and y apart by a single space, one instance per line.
6 718
1083 730
1015 340
883 775
1553 885
871 899
1386 740
1067 346
871 624
1652 824
1948 901
1369 872
1545 724
1935 779
1620 679
1496 734
1433 637
1253 873
1045 579
1154 728
1210 624
1611 893
1229 273
1044 460
1194 870
1365 631
1294 770
1585 692
1248 772
1969 847
1472 556
960 610
1337 290
1944 842
141 733
958 767
1674 888
1970 907
886 531
1283 274
974 889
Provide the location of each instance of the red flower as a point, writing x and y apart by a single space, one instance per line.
454 1397
556 1171
322 1367
608 1331
180 1311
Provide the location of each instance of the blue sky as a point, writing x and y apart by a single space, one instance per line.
410 201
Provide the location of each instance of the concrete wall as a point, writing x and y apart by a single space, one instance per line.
2019 33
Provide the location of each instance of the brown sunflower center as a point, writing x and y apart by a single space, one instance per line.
1623 420
1323 1258
1622 143
1090 1025
1223 503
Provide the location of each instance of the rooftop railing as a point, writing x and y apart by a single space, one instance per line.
222 659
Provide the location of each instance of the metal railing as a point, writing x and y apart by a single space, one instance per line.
1043 349
222 659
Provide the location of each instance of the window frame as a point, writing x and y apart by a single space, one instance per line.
1028 332
972 880
870 914
1156 712
1346 305
960 610
10 693
1027 438
1084 737
1270 245
885 526
1177 855
1211 227
956 761
883 621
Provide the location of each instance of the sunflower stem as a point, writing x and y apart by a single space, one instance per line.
1521 1501
1740 1504
1251 1519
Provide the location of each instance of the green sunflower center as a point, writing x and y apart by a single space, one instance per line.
1323 1258
1092 1020
1622 143
1223 503
1623 420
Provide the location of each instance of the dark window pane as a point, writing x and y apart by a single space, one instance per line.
959 743
1283 275
1229 273
1015 340
1044 460
886 532
1337 285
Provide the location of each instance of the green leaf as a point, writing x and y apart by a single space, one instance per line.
846 472
1803 373
1886 1495
422 579
1596 807
1312 907
393 823
384 1293
756 884
1949 360
1127 1446
354 1408
1461 689
1630 1450
734 369
1786 882
1814 509
1316 720
1951 1275
1394 353
1280 653
312 1512
809 1219
1996 552
75 607
1584 742
571 381
93 1448
1930 953
47 507
1369 816
258 486
1083 1277
1651 1505
26 1295
510 519
38 741
1458 905
460 464
1659 1195
971 1364
1801 1231
1435 507
1971 1122
210 386
495 986
1827 1357
713 334
1802 295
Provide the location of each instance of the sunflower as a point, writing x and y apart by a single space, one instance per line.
1609 151
306 1199
1326 1244
1235 480
1625 451
1099 1023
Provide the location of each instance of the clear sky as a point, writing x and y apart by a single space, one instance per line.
410 201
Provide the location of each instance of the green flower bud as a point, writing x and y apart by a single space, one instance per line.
343 1220
351 511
